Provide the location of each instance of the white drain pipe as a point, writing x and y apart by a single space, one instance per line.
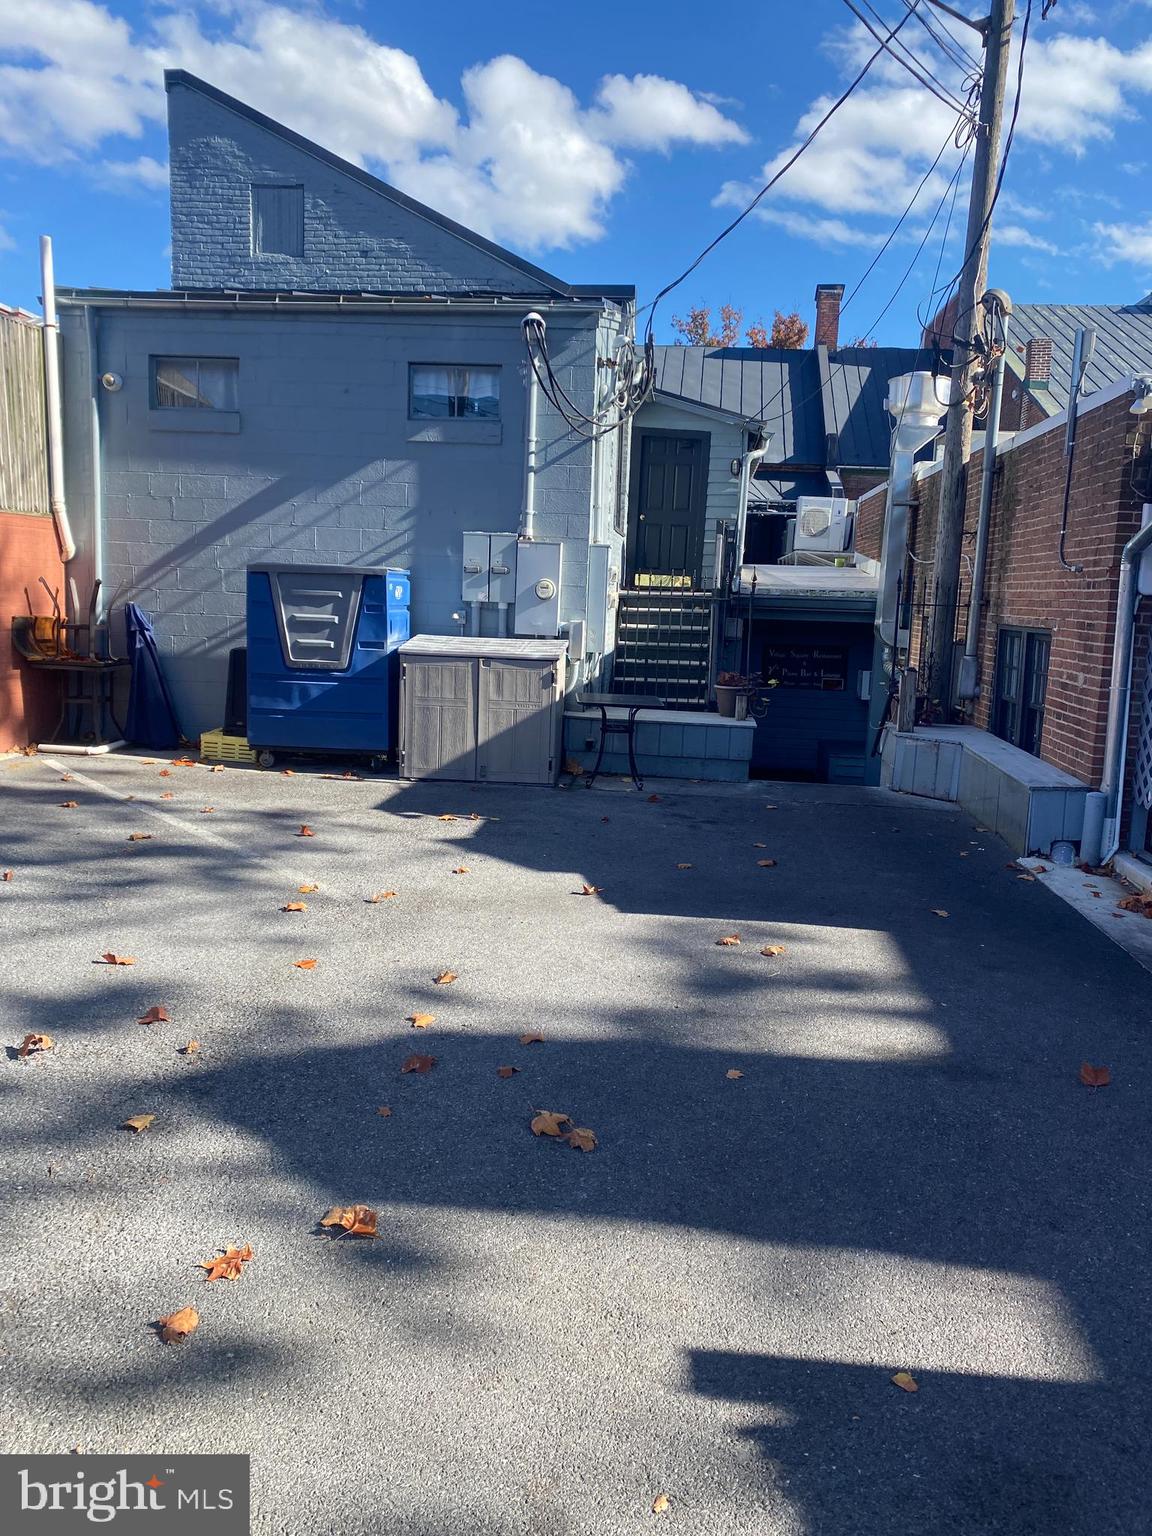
528 516
1110 799
54 415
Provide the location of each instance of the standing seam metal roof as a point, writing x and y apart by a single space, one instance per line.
1123 342
804 393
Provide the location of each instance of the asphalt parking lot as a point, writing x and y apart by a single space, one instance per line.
906 1175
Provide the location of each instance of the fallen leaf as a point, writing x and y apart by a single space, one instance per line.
1094 1077
380 896
6 876
33 1043
766 863
108 958
155 1015
590 890
733 1073
140 837
168 795
1136 903
446 817
288 773
573 766
939 911
582 1139
294 906
905 1381
421 1020
356 1220
183 762
304 965
217 767
175 1329
507 1071
653 799
773 949
661 1503
683 866
532 1039
385 1110
207 810
1030 878
305 831
461 869
548 1123
66 778
347 774
445 978
419 1064
191 1049
307 890
69 805
137 1123
165 773
729 940
229 1265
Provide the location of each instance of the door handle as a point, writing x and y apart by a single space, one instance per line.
642 517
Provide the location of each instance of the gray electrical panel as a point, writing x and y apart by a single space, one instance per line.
537 588
477 710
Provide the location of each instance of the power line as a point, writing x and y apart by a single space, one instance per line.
909 61
771 182
949 44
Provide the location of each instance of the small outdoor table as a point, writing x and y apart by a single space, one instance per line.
633 703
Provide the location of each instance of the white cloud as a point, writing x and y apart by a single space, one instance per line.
143 172
650 112
1018 235
1130 243
525 162
829 232
6 241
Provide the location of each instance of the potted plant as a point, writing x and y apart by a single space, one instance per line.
731 693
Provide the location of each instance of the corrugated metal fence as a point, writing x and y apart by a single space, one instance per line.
23 441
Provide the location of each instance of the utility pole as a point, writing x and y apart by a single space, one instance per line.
997 30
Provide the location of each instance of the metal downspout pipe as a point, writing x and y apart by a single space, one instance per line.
969 686
1102 811
748 462
53 412
528 516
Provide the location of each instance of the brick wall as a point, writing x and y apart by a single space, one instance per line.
870 522
355 239
1025 585
28 550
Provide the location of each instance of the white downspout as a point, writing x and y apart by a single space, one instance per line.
748 464
528 516
53 412
1111 793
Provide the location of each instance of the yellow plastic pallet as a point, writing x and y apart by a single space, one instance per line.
225 749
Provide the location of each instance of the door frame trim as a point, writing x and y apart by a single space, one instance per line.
634 495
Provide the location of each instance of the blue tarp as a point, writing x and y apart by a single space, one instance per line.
151 718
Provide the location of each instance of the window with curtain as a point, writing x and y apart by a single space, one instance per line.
458 392
195 383
277 221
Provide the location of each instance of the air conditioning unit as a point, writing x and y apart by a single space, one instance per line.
823 523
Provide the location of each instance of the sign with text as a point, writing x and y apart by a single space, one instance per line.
145 1495
824 667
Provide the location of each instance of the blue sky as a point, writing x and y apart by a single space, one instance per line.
607 142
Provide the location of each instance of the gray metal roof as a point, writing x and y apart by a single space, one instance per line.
800 394
1123 342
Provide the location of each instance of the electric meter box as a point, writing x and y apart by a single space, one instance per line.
538 588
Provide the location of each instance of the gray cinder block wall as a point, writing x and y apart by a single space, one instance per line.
320 461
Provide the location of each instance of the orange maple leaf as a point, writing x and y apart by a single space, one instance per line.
229 1265
155 1015
176 1328
445 979
109 958
549 1122
33 1043
305 831
1094 1077
304 965
419 1064
728 941
294 906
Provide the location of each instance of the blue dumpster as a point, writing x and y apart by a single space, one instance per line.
322 666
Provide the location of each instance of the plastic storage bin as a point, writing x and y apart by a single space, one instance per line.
322 666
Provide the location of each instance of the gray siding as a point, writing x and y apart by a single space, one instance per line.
727 443
355 237
321 465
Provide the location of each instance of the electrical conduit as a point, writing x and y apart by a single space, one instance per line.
53 412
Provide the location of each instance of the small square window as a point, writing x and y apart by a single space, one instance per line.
195 383
277 221
462 393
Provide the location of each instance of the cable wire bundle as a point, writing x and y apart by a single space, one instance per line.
633 384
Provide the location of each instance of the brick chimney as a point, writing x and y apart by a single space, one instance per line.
1038 363
828 297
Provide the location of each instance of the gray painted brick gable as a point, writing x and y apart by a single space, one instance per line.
356 239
